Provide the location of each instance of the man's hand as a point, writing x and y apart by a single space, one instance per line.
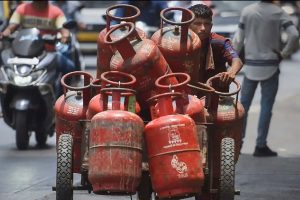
64 39
226 78
65 35
5 33
279 55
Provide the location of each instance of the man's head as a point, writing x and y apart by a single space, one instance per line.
203 20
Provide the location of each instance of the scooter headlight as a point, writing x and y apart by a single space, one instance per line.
20 80
34 76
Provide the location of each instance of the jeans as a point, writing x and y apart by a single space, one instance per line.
65 65
269 90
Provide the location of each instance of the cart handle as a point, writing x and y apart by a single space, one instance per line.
202 87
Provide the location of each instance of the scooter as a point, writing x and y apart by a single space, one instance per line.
28 78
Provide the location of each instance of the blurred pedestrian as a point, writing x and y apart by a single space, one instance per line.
216 51
260 32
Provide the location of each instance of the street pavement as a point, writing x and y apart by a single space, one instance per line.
30 175
274 178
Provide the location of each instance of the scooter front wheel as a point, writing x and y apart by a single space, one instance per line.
22 136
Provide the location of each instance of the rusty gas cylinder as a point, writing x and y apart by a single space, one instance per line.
141 58
115 151
173 151
189 105
113 79
179 45
104 51
70 113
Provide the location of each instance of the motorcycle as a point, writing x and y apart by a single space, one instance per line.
28 78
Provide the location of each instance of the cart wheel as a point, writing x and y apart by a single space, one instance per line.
145 188
64 174
227 168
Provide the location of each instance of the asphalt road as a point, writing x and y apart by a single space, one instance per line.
30 175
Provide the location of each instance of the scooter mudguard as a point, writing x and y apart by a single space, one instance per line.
24 103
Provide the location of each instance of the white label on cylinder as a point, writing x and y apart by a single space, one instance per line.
180 167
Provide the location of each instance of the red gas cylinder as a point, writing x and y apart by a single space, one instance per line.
70 109
227 115
173 151
115 151
189 104
113 79
139 57
179 44
104 52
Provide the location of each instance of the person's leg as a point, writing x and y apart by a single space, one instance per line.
247 94
65 64
269 90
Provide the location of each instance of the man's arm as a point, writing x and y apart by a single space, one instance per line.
229 76
232 58
238 39
292 41
9 30
59 22
14 22
239 36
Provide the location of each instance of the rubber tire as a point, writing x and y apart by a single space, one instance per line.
22 135
227 173
64 174
41 138
145 187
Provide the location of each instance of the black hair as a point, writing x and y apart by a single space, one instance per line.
201 10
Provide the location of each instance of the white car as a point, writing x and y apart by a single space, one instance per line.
93 16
